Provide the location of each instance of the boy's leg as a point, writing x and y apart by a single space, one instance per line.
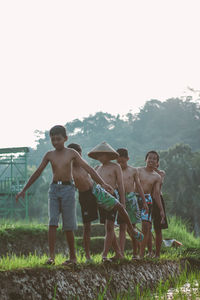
149 243
53 212
122 236
52 241
123 213
86 238
89 213
109 227
68 209
145 230
158 234
135 245
70 241
110 240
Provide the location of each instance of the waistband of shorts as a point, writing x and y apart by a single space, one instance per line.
59 182
138 195
130 193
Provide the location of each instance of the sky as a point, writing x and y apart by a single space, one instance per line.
63 60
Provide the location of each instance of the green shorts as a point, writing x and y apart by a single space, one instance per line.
132 208
104 199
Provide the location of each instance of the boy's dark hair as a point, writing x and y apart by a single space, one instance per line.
153 152
58 129
123 152
76 147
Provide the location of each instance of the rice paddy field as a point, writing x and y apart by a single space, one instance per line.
22 234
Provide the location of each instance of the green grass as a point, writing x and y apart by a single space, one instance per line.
14 262
21 231
180 231
186 286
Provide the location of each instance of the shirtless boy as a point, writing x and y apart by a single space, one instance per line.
88 203
131 179
62 190
112 174
158 226
150 182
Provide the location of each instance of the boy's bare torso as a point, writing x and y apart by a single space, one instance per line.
129 174
109 173
147 179
82 179
61 163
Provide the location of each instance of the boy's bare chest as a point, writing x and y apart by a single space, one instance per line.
106 172
147 180
128 176
59 162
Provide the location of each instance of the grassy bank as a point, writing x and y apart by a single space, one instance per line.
26 245
186 286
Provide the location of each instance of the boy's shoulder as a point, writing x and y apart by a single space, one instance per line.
114 164
65 151
140 169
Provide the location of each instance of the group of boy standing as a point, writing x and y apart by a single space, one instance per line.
112 188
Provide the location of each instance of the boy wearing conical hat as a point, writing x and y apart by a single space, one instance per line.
111 173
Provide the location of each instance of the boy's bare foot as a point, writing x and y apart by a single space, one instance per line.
106 260
135 257
116 258
69 263
150 255
50 262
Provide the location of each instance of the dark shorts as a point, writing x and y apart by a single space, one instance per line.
108 215
62 202
156 216
88 205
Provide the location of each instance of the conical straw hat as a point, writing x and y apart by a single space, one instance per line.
103 148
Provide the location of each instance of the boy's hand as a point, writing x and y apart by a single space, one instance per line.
108 188
162 214
20 195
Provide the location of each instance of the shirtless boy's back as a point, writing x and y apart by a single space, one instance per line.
87 200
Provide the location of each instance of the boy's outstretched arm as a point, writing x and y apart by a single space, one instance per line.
95 176
33 177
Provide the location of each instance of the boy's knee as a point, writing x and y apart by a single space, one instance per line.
120 207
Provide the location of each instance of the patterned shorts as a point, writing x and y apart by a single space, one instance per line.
104 199
144 215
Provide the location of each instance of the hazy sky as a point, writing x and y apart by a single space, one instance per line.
62 60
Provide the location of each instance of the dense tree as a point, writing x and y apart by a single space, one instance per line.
158 125
182 184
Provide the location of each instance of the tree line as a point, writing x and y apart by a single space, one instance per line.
171 127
